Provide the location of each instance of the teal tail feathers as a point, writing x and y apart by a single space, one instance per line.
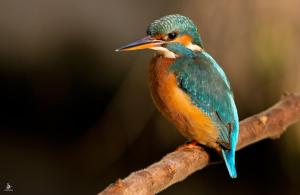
229 156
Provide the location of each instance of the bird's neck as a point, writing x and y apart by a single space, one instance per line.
176 49
159 78
159 69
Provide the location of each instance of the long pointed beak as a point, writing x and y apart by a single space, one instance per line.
144 43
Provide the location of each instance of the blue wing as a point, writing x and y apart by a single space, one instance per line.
199 75
207 85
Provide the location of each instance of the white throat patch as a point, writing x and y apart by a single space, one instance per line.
169 54
164 52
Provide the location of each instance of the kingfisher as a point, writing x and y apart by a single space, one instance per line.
189 87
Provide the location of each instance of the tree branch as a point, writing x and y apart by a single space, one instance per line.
177 165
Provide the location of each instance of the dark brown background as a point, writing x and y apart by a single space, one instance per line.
75 115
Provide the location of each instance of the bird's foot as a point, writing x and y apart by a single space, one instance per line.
189 144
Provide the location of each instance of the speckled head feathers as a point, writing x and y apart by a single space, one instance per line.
175 23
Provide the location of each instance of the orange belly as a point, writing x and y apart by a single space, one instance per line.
176 105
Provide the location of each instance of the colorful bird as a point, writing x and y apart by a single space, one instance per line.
189 87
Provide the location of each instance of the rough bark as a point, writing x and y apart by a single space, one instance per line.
177 165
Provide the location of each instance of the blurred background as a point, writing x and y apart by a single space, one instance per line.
75 115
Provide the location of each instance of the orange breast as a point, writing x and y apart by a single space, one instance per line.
176 105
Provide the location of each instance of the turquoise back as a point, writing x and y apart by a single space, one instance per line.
199 75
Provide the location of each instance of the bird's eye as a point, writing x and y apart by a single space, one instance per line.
172 35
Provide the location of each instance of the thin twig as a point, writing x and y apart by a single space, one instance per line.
177 165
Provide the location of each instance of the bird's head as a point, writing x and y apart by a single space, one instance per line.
170 29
